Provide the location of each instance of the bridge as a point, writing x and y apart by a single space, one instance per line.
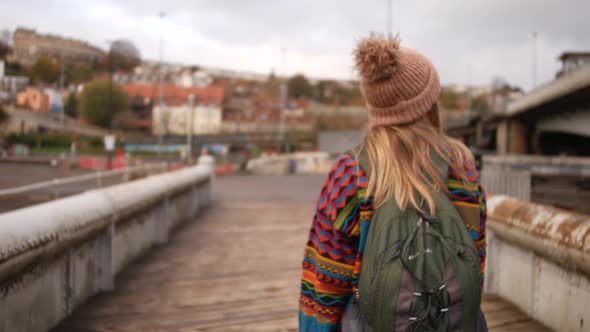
182 251
551 119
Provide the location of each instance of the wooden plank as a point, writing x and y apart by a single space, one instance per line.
236 268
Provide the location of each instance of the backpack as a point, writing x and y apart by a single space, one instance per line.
419 272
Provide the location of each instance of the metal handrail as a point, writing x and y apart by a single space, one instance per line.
99 176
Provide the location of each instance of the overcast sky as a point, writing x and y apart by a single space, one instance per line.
470 41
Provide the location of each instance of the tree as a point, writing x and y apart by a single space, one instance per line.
3 120
338 93
5 50
3 116
299 86
480 104
123 56
100 101
271 88
71 106
15 69
450 99
79 73
45 70
324 91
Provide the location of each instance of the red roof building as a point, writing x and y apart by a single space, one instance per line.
174 95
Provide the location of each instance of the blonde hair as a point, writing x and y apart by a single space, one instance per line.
402 166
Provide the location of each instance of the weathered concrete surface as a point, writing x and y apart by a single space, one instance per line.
236 269
560 235
538 258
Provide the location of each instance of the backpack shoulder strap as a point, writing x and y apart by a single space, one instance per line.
469 215
359 153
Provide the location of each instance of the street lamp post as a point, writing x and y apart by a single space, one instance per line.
535 36
389 19
189 128
109 139
283 96
61 87
160 91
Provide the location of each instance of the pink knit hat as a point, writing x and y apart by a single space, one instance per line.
399 85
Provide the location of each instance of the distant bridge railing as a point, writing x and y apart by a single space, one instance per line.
539 259
55 255
556 181
127 174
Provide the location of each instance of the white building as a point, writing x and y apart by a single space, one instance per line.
189 78
206 119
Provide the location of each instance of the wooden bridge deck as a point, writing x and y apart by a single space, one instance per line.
236 268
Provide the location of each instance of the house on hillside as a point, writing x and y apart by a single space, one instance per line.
257 114
173 117
33 99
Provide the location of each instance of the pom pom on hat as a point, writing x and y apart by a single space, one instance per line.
377 57
399 84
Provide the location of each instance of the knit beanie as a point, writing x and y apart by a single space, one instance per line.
399 85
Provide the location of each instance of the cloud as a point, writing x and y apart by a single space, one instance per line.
469 41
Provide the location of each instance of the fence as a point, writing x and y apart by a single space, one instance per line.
507 182
516 175
54 256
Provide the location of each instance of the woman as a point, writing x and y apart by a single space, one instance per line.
405 139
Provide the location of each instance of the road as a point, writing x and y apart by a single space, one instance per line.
20 174
235 268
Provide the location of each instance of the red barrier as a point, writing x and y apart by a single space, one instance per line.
101 164
226 169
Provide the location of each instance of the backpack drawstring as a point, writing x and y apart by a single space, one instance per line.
432 296
419 321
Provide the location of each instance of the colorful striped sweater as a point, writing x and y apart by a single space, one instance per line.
334 251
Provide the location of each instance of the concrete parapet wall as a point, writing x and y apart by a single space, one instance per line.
539 258
56 255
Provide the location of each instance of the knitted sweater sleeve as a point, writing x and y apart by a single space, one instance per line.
471 194
480 242
331 252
